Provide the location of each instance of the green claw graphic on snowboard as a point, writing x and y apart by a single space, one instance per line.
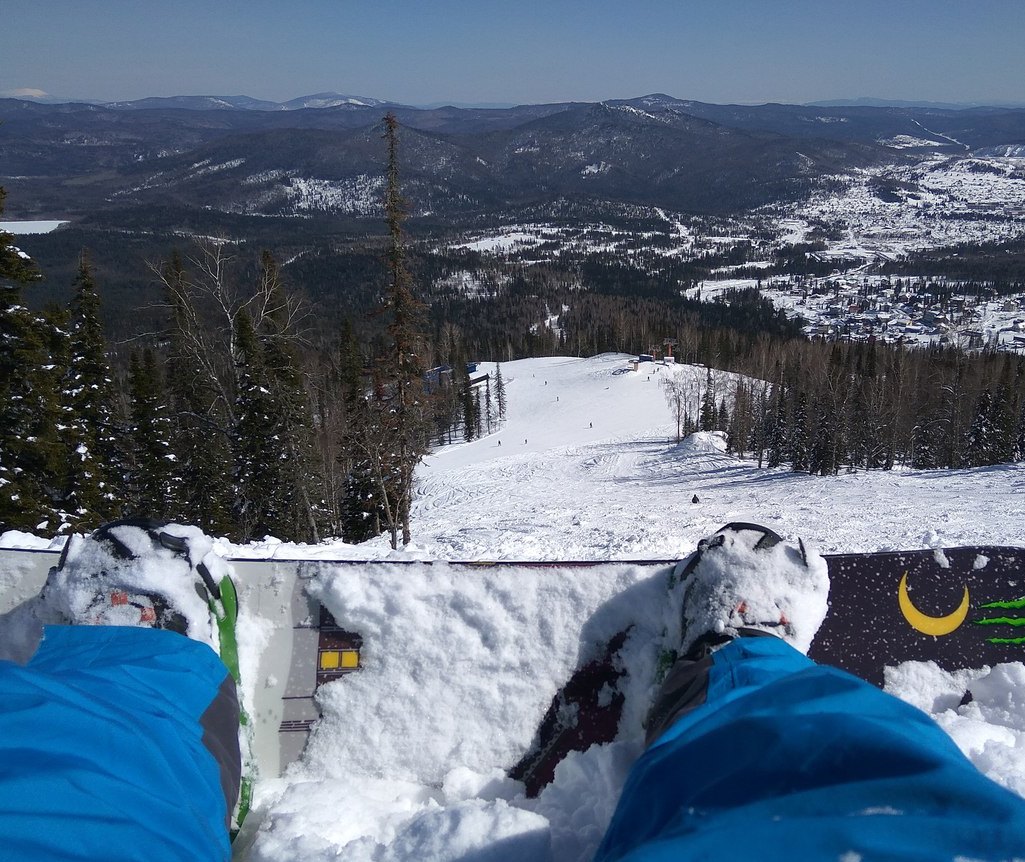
1016 621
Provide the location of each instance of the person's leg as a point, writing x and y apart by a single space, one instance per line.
774 757
117 743
119 731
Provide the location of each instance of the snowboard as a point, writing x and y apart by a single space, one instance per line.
957 607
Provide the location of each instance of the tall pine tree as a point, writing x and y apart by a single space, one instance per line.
94 490
255 441
409 418
151 472
32 455
301 510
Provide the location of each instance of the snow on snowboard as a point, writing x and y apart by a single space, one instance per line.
958 607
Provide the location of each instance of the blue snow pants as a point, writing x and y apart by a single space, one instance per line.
789 760
112 747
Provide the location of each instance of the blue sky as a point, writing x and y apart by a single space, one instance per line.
420 51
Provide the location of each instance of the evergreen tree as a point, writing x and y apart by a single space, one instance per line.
32 455
488 406
709 418
500 397
151 482
722 416
982 442
1003 415
350 363
821 457
256 449
798 438
741 422
301 510
94 490
758 434
1019 444
409 415
360 511
778 433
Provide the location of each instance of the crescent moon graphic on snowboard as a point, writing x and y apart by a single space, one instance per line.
935 626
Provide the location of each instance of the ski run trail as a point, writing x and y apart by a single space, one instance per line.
408 760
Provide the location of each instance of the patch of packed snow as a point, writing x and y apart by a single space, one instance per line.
903 142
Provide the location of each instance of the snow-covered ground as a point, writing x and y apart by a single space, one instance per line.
408 761
938 201
856 305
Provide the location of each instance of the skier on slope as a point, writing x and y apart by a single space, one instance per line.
118 738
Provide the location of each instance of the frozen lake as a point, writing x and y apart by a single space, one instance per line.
21 228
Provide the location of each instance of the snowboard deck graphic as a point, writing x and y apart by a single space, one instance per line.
959 607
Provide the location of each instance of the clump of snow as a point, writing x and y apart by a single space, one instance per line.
20 539
713 442
926 685
989 728
981 561
580 802
376 820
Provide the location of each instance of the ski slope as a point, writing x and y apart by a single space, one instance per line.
408 760
548 485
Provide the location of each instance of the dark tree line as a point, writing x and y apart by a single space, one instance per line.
997 265
227 418
824 407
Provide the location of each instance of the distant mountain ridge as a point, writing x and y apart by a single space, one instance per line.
870 102
333 99
322 155
246 103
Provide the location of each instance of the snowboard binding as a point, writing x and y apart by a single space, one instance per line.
746 581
